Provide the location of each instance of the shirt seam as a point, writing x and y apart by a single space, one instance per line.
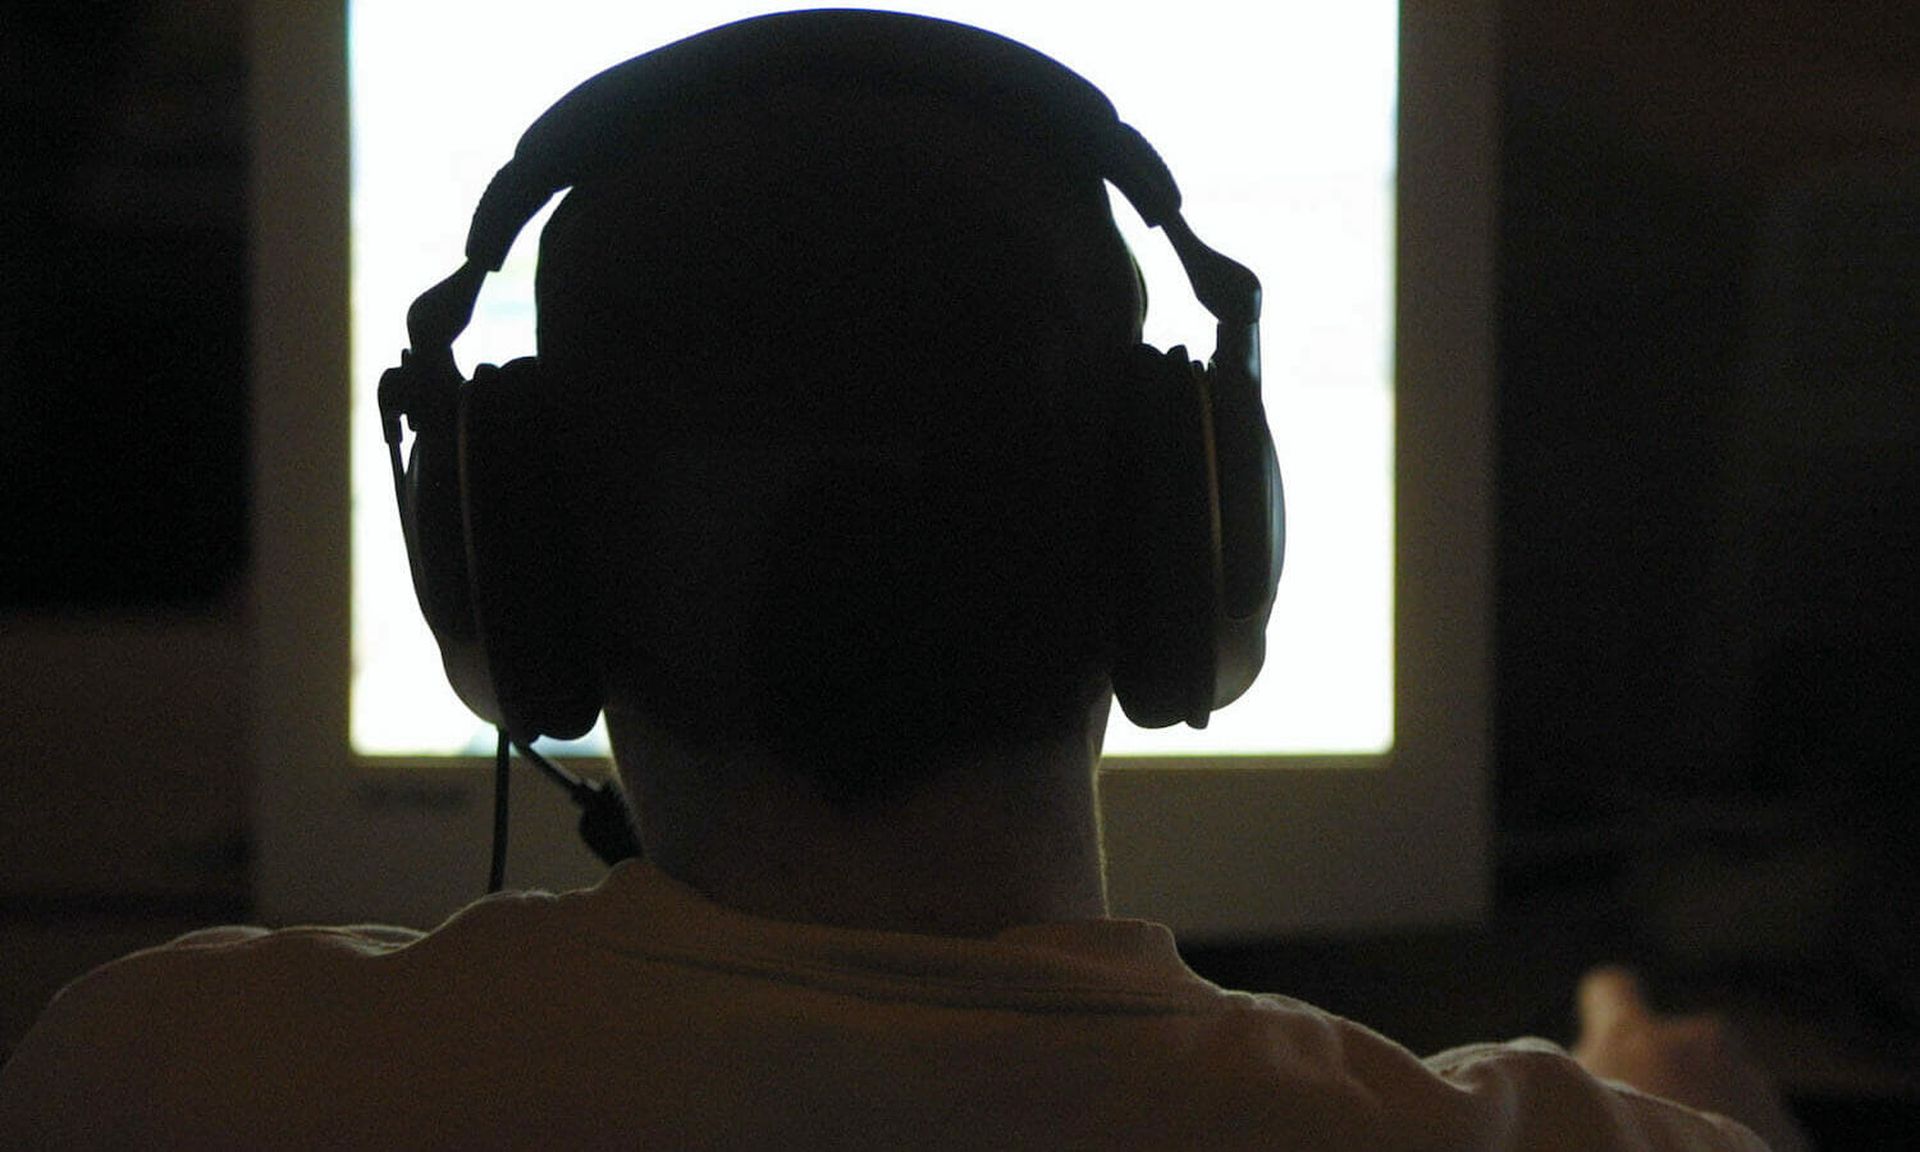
870 984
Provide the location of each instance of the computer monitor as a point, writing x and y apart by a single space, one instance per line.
1344 152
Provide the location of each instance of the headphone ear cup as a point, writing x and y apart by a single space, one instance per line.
433 523
1169 544
1253 533
522 555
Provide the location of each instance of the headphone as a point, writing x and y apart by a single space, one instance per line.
1200 563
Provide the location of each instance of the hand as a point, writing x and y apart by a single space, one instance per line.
1693 1060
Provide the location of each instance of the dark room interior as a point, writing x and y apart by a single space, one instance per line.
1707 648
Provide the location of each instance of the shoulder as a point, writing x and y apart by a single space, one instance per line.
1546 1096
206 971
1523 1094
135 1046
211 965
187 1044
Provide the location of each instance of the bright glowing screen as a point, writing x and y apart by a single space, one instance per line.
1278 120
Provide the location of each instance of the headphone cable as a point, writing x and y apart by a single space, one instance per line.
497 868
606 823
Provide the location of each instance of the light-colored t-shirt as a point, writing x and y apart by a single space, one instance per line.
637 1014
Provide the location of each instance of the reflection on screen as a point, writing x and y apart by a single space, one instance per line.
1277 119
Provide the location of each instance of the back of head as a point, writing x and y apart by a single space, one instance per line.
842 362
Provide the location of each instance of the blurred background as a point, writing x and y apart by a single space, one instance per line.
1708 649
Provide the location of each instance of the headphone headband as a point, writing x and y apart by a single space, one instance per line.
606 117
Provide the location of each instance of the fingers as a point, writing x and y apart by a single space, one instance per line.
1696 1060
1608 999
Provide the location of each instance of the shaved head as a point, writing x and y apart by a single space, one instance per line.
840 369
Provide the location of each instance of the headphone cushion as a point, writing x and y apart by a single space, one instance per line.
1169 544
520 549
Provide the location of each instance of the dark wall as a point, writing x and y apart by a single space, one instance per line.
124 771
1710 311
1709 505
123 329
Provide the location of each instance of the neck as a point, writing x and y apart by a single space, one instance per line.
977 847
